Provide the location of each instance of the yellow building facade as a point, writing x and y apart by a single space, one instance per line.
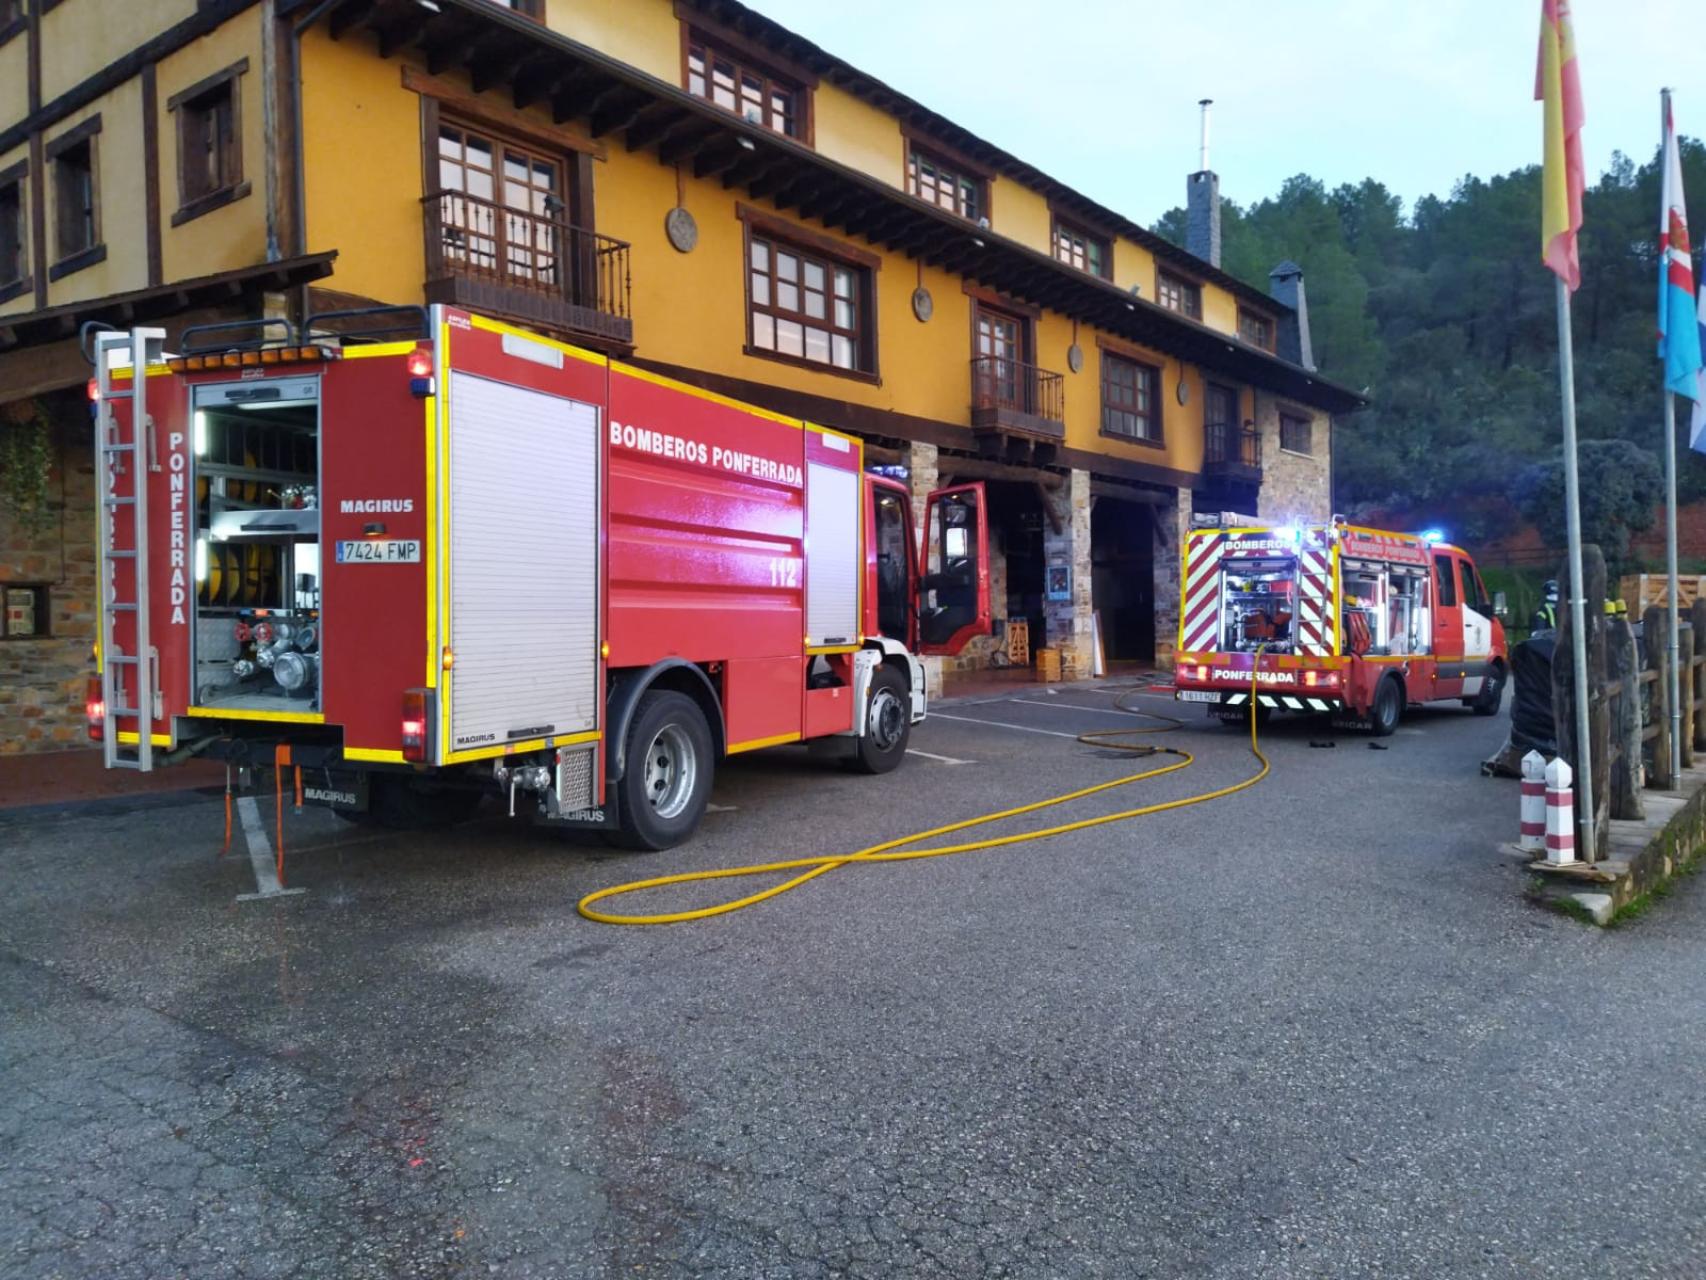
687 185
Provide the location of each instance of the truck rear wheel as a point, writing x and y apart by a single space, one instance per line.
888 725
1388 708
667 780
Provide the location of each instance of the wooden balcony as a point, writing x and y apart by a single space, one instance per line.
1231 452
535 268
1011 398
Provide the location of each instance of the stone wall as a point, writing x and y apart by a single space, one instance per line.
1066 541
1295 486
43 681
1172 522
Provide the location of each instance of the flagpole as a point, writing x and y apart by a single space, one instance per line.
1578 589
1673 688
1673 644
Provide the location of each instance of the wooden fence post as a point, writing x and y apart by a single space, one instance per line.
1697 616
1654 624
1685 646
1623 669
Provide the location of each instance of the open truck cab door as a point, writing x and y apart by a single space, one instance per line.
953 586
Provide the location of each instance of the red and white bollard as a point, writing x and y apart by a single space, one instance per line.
1560 814
1533 803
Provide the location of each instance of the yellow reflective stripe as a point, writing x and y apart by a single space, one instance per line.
757 743
280 717
376 754
380 349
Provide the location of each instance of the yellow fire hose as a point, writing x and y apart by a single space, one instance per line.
811 868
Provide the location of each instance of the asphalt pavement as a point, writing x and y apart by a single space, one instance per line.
1313 1029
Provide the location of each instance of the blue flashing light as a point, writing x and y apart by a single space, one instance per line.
1289 533
1431 536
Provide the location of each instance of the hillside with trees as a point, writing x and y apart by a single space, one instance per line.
1444 313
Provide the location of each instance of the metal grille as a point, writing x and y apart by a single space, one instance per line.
574 780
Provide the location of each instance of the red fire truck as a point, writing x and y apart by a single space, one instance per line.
471 557
1335 620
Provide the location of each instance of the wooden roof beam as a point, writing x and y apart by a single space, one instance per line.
346 16
616 111
534 78
714 160
746 174
575 92
655 125
486 61
682 144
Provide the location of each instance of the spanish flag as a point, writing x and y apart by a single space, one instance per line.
1558 84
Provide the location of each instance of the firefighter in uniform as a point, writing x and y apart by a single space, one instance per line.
1546 616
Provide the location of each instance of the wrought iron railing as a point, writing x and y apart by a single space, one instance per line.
998 382
539 254
1228 443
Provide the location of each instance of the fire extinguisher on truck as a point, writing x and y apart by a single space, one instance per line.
430 555
1335 620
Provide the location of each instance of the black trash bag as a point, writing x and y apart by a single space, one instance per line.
1533 727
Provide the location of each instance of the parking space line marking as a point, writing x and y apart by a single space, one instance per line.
931 755
1069 706
1002 724
260 854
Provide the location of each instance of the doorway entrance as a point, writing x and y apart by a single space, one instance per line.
1122 577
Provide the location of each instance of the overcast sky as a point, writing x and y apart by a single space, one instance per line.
1102 94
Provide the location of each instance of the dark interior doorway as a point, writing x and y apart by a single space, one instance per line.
1122 579
1016 526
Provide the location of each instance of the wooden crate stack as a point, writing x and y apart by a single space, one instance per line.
1642 590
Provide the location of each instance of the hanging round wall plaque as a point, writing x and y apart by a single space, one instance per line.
682 230
923 305
1183 392
1075 357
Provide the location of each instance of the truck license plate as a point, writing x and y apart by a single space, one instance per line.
1199 695
380 551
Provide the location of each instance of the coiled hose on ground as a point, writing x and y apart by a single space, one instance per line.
893 851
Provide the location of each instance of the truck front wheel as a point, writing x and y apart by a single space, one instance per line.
888 725
667 779
1492 695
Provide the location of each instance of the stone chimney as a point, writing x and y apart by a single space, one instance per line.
1285 284
1202 216
1202 202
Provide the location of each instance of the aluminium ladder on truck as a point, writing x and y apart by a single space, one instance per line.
129 681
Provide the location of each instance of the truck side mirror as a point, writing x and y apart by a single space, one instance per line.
1501 609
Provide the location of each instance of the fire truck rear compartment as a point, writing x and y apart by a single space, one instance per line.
1261 605
257 545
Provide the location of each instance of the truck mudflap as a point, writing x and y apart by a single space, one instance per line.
598 817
